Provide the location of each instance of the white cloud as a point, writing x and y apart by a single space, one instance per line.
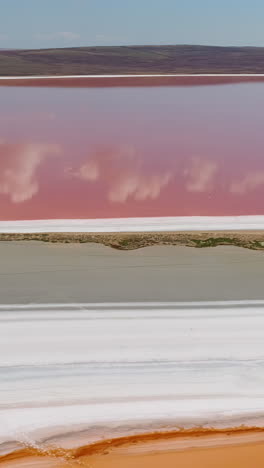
250 182
122 173
200 175
18 167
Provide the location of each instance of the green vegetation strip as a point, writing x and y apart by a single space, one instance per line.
128 241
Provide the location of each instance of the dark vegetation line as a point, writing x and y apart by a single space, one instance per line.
132 59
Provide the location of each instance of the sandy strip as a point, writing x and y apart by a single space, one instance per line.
130 80
253 240
151 224
38 272
232 456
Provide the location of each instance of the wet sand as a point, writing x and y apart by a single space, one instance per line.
227 449
242 456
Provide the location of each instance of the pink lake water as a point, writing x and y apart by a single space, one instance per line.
134 151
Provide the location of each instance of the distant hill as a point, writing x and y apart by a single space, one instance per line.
136 59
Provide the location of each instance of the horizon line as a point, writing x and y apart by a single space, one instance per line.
186 44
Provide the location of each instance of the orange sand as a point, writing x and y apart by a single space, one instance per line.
240 456
240 448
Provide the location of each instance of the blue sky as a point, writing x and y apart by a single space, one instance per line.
67 23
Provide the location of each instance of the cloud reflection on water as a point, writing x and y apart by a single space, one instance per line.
248 183
200 175
123 174
116 175
18 167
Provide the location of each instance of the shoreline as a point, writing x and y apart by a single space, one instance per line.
253 240
229 450
130 80
135 75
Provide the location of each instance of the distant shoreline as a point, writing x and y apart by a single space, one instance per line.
136 75
131 60
129 80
